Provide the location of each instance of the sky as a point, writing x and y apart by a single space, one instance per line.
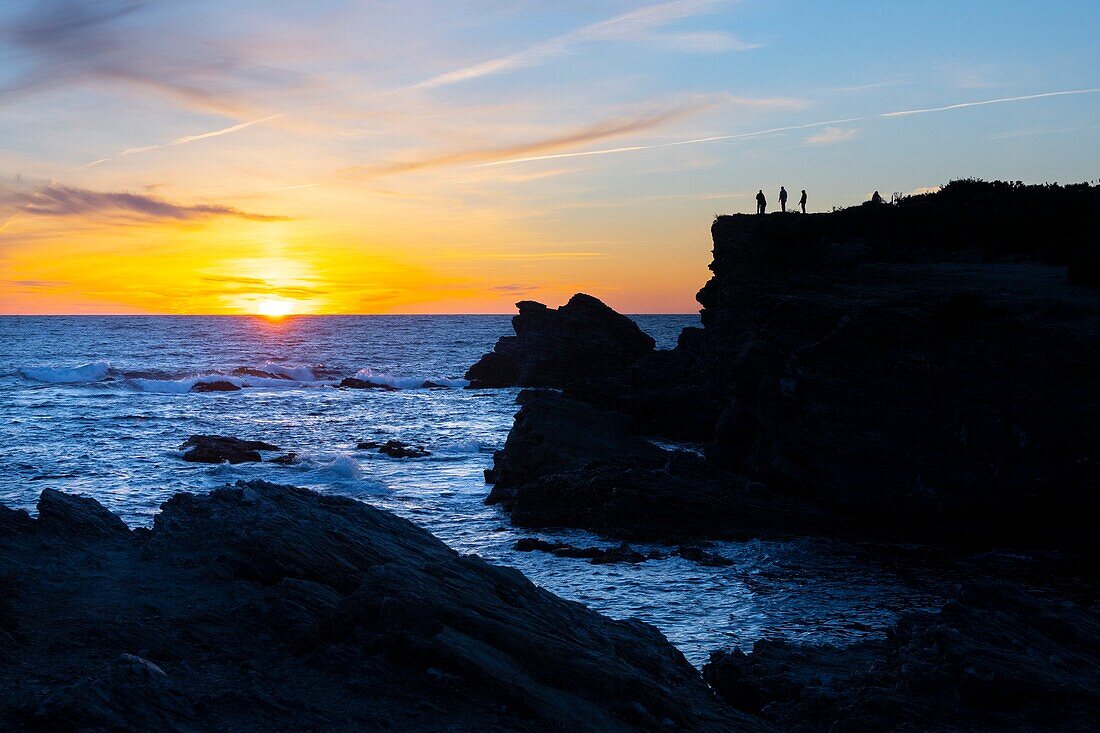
440 156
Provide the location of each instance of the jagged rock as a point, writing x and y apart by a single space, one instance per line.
265 607
353 383
287 459
993 658
219 385
253 372
554 347
222 449
77 516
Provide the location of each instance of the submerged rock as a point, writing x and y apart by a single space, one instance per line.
264 607
624 553
395 449
219 385
223 449
554 347
993 658
353 383
287 459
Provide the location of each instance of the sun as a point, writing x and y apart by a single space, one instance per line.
274 307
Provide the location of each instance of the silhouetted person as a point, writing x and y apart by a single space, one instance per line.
876 199
761 202
783 199
802 201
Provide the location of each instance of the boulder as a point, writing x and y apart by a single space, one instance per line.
554 347
223 449
265 607
287 459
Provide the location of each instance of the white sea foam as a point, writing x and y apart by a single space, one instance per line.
369 375
185 384
344 466
91 372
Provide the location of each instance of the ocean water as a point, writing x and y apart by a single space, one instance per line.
100 405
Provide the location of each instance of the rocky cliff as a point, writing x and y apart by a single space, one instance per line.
927 368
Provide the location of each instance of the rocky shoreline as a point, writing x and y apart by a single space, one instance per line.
266 607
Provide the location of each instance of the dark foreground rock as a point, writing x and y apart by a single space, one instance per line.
223 449
993 659
264 607
554 347
568 464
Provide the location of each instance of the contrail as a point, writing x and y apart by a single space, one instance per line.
716 138
963 105
183 140
759 133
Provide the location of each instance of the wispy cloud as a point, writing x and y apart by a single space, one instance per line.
603 130
61 42
833 135
57 200
638 25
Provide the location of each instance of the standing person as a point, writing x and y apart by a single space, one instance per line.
802 201
761 202
783 199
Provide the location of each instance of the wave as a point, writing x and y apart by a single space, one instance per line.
91 372
270 375
389 380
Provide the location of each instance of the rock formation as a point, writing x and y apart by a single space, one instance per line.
568 464
223 449
264 607
994 658
923 370
554 347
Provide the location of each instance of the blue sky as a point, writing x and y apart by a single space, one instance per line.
449 156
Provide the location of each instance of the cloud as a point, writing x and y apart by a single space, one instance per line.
923 190
602 130
833 135
55 43
638 25
513 288
57 200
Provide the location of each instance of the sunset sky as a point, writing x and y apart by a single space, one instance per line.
422 156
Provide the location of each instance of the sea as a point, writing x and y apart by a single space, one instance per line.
99 406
